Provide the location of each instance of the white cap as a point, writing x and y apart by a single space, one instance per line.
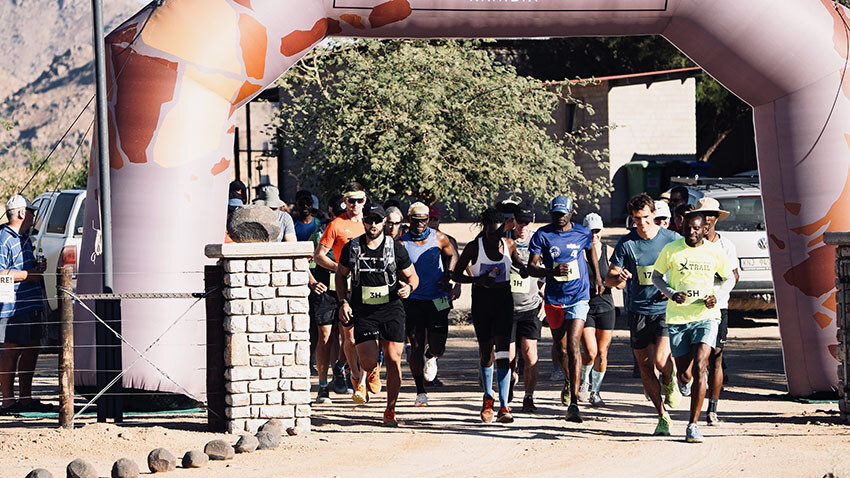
662 209
18 202
593 221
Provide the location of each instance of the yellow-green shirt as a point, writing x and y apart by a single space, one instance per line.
692 270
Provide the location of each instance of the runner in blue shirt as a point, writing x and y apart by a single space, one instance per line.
562 246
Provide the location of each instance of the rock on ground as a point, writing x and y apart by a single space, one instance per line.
161 460
39 473
80 468
219 450
125 468
272 425
267 440
253 224
247 444
195 459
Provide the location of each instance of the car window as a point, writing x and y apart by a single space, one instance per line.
41 205
58 220
78 223
745 214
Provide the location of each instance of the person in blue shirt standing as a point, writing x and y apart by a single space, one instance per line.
20 319
562 246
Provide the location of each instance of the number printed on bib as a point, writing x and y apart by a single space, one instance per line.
376 295
520 285
572 274
645 275
694 292
441 303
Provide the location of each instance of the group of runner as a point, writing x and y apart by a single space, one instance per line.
377 283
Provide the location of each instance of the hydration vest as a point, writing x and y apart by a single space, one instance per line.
389 264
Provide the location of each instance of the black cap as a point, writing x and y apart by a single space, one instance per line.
374 209
524 214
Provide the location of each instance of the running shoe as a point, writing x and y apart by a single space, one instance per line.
389 418
672 395
487 410
528 404
324 395
596 400
434 383
663 427
504 415
573 414
685 389
339 385
557 375
565 393
692 435
373 380
712 420
421 400
361 395
430 369
349 385
584 391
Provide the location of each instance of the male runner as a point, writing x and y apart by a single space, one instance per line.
632 263
562 247
527 301
713 213
427 308
381 275
692 314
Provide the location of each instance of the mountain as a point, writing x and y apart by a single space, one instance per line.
46 71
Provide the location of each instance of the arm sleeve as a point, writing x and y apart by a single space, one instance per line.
402 258
726 286
536 244
660 284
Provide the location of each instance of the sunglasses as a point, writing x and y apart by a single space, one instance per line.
356 200
394 223
372 219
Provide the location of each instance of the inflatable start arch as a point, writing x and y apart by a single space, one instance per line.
196 61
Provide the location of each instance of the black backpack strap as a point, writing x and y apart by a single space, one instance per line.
354 261
389 261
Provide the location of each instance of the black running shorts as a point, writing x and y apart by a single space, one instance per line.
323 308
423 314
373 322
646 329
526 325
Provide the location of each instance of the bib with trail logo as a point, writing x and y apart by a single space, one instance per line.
375 295
572 273
520 285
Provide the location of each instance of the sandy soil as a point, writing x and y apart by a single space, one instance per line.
763 431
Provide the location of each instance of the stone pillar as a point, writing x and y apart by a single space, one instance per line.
267 333
842 316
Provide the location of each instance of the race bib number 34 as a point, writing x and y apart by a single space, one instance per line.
572 273
376 295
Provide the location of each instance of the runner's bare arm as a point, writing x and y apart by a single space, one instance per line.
410 281
661 284
315 285
341 278
320 257
459 273
449 251
594 265
515 259
617 277
534 270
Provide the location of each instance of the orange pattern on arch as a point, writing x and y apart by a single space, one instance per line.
245 3
220 167
245 91
793 207
354 20
300 40
389 12
253 40
124 35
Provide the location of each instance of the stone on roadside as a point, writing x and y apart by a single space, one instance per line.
272 425
195 459
247 444
80 468
253 223
292 431
39 473
219 450
267 440
125 468
161 460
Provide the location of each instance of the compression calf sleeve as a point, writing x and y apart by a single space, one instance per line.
596 380
487 380
585 372
504 377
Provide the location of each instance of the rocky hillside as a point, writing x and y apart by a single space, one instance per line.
46 73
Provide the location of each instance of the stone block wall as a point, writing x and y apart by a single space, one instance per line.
267 338
842 316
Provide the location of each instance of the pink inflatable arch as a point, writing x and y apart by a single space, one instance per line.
171 124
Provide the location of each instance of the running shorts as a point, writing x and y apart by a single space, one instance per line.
558 314
723 329
645 330
526 325
492 313
423 314
323 308
683 336
602 320
373 322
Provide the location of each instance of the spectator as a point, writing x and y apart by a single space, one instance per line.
270 197
238 191
305 220
20 320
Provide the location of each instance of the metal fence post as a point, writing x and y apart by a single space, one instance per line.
214 279
66 353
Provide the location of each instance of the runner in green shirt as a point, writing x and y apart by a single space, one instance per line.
691 265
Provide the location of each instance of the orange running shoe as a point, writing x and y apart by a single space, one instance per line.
373 380
389 418
361 395
487 410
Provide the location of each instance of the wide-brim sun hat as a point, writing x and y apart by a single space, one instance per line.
710 205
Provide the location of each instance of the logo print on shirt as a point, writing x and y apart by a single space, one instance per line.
683 266
554 251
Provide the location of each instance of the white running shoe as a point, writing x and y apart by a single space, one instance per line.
421 400
584 391
430 369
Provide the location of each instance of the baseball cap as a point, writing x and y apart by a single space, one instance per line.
593 221
561 204
418 210
374 209
662 209
524 214
507 207
18 202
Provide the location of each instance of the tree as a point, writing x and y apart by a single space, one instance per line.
431 120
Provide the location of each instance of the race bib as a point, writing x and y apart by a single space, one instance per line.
520 285
572 273
376 295
441 303
332 282
645 275
695 292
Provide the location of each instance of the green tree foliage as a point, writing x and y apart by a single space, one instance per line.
432 120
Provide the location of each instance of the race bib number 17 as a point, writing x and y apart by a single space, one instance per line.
645 275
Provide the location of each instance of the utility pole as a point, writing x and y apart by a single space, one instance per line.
102 132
